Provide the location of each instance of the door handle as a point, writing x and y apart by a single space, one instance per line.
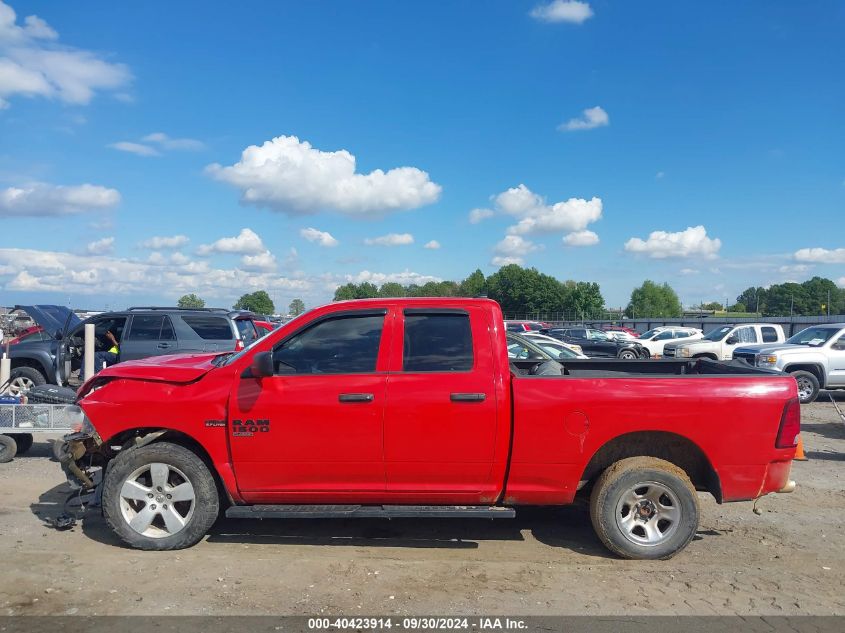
468 397
164 345
355 397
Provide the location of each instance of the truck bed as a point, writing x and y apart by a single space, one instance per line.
614 368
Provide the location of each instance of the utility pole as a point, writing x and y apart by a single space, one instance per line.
791 304
828 302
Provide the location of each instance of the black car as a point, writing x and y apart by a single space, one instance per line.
597 344
141 332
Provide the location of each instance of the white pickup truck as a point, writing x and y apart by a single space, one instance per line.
815 356
719 344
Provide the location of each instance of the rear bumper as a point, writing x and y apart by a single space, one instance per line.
742 483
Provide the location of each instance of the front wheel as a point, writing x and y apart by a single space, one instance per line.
160 497
627 354
808 386
22 379
644 508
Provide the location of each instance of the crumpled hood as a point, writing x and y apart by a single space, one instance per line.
175 368
771 348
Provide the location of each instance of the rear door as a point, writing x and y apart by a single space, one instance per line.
148 335
207 333
441 415
601 345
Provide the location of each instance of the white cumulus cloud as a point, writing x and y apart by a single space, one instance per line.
433 245
247 242
571 11
43 199
166 241
322 238
581 238
692 242
33 64
135 148
512 250
590 118
821 255
291 176
476 216
391 239
102 246
166 142
536 216
261 261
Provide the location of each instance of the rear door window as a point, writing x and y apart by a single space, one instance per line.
437 342
209 328
152 327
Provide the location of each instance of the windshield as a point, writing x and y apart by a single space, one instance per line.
649 334
718 334
813 336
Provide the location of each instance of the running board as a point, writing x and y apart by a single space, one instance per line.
367 512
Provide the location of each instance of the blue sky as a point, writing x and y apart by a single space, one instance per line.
147 150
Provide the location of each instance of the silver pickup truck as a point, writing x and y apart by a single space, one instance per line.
815 356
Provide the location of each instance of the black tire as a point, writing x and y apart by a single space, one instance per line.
24 379
628 354
24 442
8 448
51 394
183 466
808 386
638 478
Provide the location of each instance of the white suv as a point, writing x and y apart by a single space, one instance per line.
655 340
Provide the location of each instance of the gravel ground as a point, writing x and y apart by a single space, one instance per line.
788 560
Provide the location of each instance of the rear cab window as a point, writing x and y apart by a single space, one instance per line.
770 334
209 328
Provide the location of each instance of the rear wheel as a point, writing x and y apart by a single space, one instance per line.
160 497
8 448
22 379
808 386
644 508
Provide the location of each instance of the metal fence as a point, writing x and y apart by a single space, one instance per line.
33 418
791 325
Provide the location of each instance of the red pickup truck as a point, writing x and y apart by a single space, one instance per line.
412 408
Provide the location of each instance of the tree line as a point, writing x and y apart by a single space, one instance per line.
528 291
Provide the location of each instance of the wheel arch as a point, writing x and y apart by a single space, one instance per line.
814 368
34 363
709 355
672 447
144 436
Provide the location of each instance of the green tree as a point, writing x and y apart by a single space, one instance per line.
583 298
753 298
713 305
367 291
190 301
738 307
519 290
296 307
654 300
391 289
346 292
473 286
258 302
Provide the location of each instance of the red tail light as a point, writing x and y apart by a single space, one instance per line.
790 425
239 345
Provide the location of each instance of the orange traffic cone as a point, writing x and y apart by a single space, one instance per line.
799 452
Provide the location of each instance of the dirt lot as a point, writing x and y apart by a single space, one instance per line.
789 560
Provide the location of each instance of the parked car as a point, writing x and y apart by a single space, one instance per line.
815 357
655 340
556 350
525 326
720 343
141 332
27 335
597 344
618 335
536 337
620 328
413 408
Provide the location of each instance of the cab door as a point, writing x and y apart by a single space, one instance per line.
313 432
440 425
836 362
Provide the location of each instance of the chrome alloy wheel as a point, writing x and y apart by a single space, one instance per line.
20 385
648 513
805 388
157 500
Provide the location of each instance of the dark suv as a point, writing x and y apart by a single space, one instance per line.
597 344
140 331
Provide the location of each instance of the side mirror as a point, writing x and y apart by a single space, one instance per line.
840 344
262 365
732 340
